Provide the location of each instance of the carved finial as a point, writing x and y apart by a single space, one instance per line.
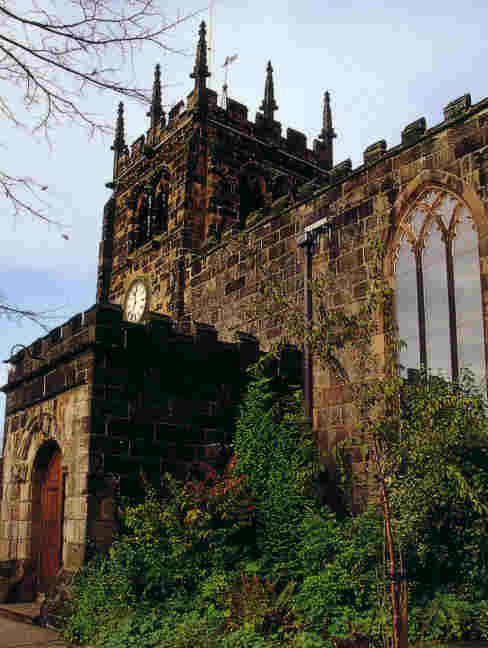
119 140
200 70
324 146
119 146
269 104
327 128
156 112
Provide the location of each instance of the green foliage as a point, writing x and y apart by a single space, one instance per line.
446 617
252 559
480 624
197 535
275 451
440 492
341 588
102 596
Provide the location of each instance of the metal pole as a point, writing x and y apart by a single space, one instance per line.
210 46
306 242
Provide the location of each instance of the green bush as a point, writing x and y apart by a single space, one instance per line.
446 617
276 452
480 624
247 638
342 593
251 559
102 597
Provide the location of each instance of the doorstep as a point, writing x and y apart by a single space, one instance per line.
24 612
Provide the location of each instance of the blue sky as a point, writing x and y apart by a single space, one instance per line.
385 65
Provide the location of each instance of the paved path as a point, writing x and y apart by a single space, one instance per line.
16 634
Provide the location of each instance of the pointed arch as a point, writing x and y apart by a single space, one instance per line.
48 499
434 264
433 179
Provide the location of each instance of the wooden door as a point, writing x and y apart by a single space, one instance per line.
51 523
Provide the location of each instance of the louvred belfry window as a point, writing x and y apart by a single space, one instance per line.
438 288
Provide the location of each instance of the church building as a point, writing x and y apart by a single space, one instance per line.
204 205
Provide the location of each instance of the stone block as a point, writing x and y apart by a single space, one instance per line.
341 171
236 110
457 107
374 152
73 555
296 142
414 131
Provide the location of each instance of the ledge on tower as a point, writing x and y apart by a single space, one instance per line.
175 112
341 170
267 129
374 152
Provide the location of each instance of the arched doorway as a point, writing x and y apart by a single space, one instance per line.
47 516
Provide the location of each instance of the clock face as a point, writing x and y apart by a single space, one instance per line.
136 301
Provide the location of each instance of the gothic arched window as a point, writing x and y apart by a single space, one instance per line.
159 212
438 288
143 216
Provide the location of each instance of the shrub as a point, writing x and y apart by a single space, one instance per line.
276 452
342 594
251 559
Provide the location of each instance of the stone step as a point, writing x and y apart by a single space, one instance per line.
24 612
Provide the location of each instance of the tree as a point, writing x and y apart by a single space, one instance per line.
275 451
439 494
52 55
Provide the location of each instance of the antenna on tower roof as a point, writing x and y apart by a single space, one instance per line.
225 87
210 47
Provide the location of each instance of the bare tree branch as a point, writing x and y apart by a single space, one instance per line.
41 318
51 56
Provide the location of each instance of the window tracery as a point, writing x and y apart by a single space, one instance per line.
438 287
151 204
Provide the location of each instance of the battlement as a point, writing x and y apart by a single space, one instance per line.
98 348
413 133
102 327
143 147
236 116
68 339
417 130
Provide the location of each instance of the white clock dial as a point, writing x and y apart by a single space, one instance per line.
136 301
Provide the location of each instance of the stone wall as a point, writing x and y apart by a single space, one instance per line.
118 400
49 401
222 283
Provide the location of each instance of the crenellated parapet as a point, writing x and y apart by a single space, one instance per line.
61 359
202 104
234 116
415 133
68 356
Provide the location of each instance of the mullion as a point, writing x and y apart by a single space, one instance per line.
452 310
421 308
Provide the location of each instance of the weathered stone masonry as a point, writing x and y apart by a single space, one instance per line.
222 285
116 399
204 206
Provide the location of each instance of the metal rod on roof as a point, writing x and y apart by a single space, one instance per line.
210 47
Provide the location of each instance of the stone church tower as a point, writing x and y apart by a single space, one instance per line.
197 177
205 207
